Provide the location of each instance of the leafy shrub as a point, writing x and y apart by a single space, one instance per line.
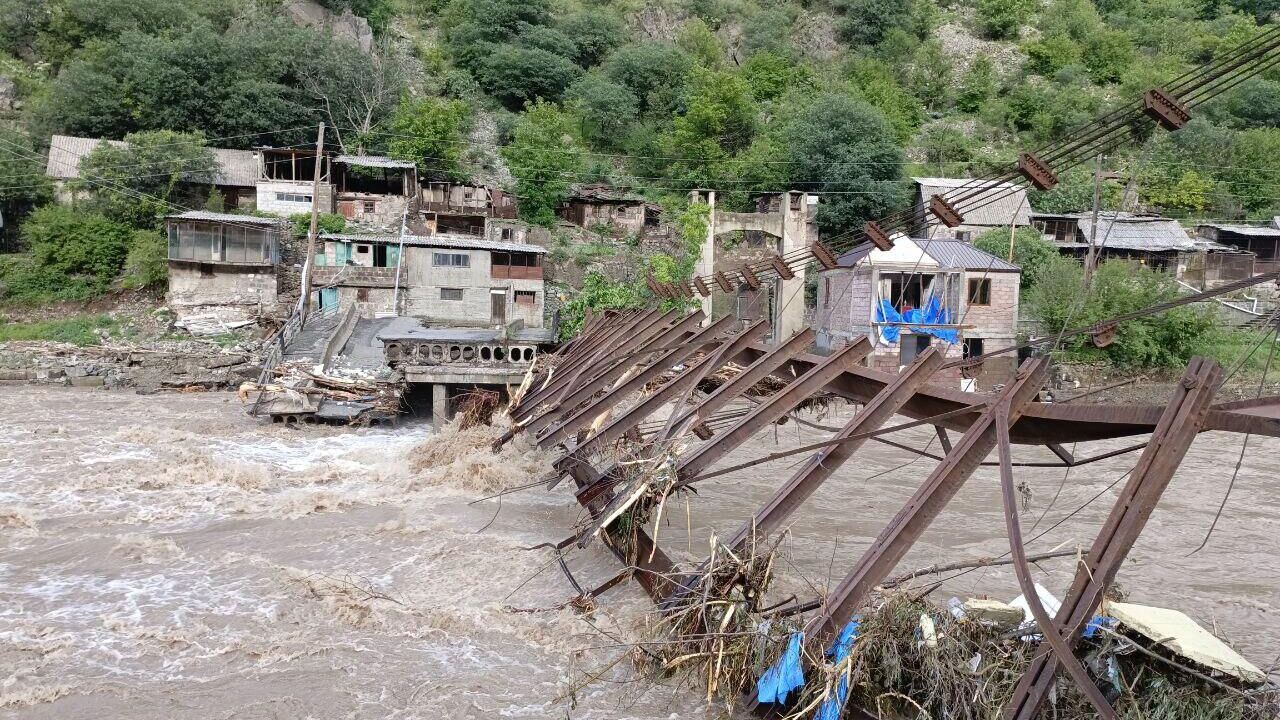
430 132
606 108
1002 19
73 244
1031 251
325 223
598 293
147 264
977 86
81 330
865 22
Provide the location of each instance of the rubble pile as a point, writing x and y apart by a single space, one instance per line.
155 366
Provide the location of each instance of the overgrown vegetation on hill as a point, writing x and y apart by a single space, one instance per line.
843 97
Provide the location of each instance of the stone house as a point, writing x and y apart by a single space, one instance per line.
225 265
592 206
459 209
442 279
1004 204
922 293
235 177
375 192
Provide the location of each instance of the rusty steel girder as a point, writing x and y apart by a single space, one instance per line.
878 236
824 256
780 266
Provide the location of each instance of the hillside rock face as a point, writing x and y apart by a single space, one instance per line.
347 25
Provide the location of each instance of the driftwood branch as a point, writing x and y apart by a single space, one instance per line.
973 563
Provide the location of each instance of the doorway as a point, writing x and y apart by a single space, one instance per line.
497 307
912 345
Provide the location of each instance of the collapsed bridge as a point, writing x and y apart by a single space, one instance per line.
600 391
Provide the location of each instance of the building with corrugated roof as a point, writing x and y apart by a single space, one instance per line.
226 265
235 176
983 205
922 293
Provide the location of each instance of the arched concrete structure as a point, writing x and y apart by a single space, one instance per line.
792 224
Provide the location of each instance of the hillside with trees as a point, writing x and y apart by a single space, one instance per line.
842 97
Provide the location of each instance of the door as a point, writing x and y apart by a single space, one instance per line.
497 307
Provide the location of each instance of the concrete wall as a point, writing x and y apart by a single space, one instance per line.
843 311
423 282
241 290
267 201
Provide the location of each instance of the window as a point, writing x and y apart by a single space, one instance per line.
526 297
980 291
362 294
506 233
292 197
450 293
964 235
451 259
972 347
362 249
370 207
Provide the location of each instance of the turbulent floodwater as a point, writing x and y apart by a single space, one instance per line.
167 556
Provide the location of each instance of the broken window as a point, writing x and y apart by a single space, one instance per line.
450 293
972 347
441 259
370 207
980 291
526 297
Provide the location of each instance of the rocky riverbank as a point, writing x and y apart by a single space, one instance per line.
148 367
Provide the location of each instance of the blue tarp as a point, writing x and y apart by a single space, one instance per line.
933 313
783 676
831 707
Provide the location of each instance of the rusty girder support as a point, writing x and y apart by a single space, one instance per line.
772 408
824 463
653 567
1181 421
701 285
927 502
1036 171
878 236
723 281
749 277
712 335
589 355
1165 109
780 266
745 380
945 212
824 256
628 420
613 361
613 370
1022 569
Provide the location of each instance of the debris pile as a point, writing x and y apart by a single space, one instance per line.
309 395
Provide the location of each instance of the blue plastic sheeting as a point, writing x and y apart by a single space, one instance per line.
1097 623
830 709
933 313
783 676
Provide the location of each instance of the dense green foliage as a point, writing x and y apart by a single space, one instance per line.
139 183
430 132
543 156
1168 339
80 330
1031 251
75 255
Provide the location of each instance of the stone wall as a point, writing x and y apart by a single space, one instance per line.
230 291
268 202
386 217
424 284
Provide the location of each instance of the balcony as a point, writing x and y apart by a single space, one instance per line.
516 272
354 276
443 208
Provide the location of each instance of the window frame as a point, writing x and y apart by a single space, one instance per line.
531 294
436 261
979 292
445 292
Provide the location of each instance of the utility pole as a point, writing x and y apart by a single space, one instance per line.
1089 259
315 226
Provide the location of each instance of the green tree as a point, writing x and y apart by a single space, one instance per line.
1002 19
1107 55
843 146
516 75
719 120
946 148
431 132
930 75
655 72
595 34
876 83
77 253
1051 53
977 86
545 158
1031 251
147 263
25 184
865 22
140 182
606 108
472 27
701 44
598 293
770 75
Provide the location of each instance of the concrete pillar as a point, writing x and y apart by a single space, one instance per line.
439 404
707 258
788 295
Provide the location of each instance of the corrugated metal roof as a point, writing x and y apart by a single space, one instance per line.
1007 203
441 241
375 161
226 217
234 167
948 254
1129 231
65 152
1242 229
957 254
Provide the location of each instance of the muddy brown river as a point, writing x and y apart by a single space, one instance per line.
168 556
